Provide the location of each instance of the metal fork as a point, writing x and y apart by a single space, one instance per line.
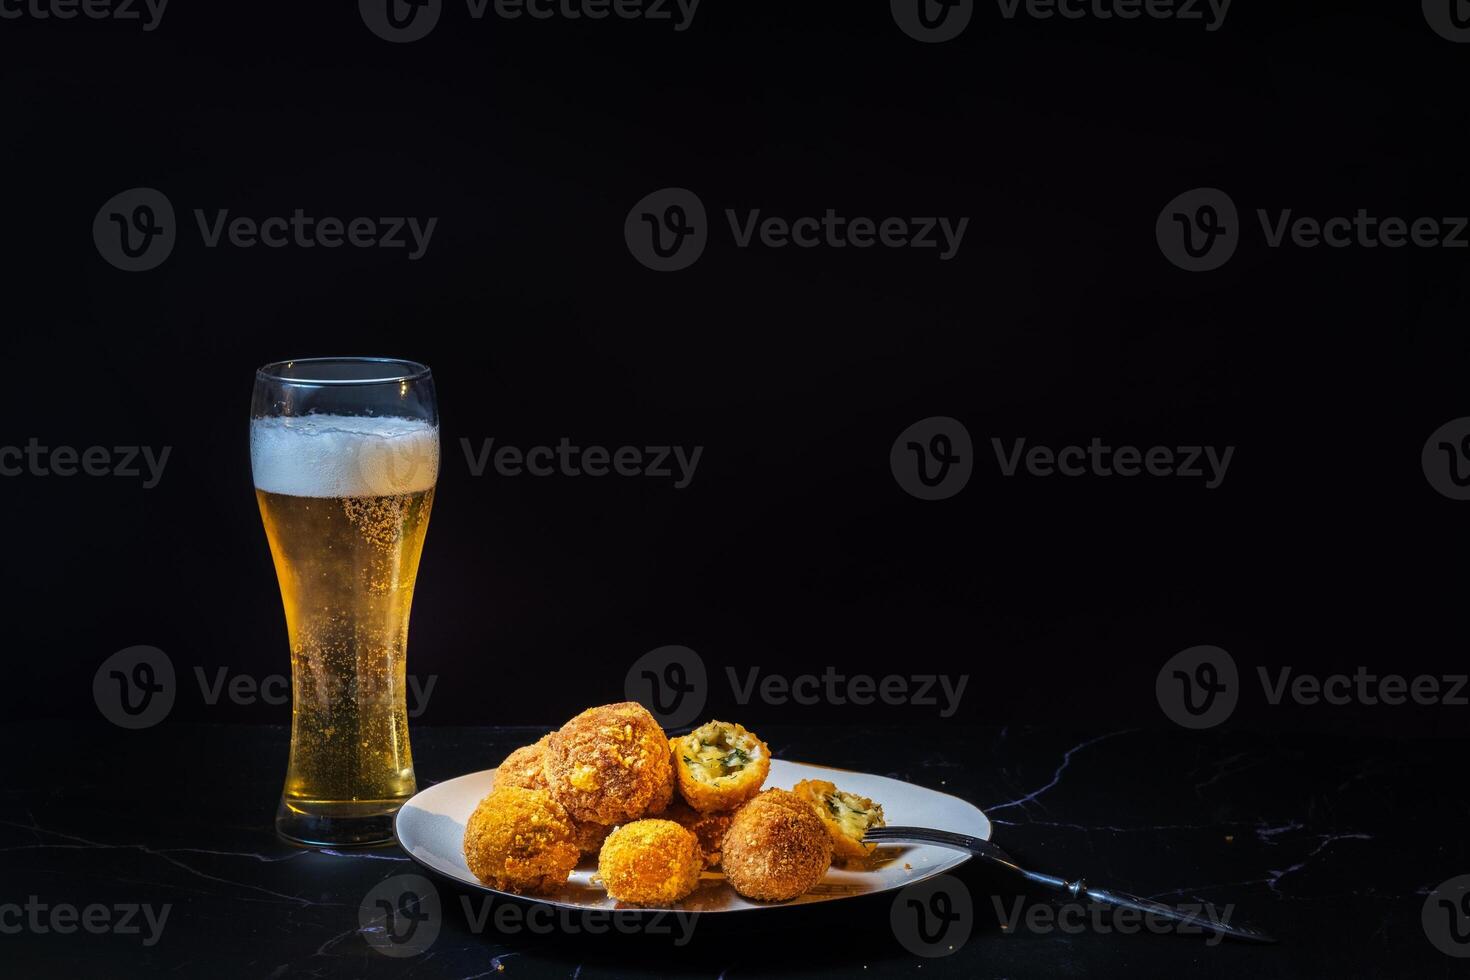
1075 889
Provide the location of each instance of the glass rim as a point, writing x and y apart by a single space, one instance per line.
395 370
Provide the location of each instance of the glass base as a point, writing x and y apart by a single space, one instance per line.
330 823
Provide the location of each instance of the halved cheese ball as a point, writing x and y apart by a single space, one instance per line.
846 816
719 766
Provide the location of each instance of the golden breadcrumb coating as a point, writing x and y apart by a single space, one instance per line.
709 828
719 765
523 767
588 836
776 847
845 815
609 764
520 840
664 795
650 862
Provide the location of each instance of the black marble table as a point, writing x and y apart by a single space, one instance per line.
1331 844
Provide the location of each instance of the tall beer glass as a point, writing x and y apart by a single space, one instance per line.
345 455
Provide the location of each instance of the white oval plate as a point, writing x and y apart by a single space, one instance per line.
430 828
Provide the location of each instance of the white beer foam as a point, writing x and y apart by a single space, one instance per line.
343 455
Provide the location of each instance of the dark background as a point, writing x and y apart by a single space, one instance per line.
794 548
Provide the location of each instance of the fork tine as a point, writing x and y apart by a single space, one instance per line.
922 835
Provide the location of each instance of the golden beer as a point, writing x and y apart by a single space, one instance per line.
345 502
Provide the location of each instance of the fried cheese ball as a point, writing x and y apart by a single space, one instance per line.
719 765
520 840
588 836
846 816
776 847
523 767
609 764
709 828
650 862
664 795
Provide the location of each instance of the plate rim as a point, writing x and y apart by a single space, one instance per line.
648 910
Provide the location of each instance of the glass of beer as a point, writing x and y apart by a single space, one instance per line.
345 455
